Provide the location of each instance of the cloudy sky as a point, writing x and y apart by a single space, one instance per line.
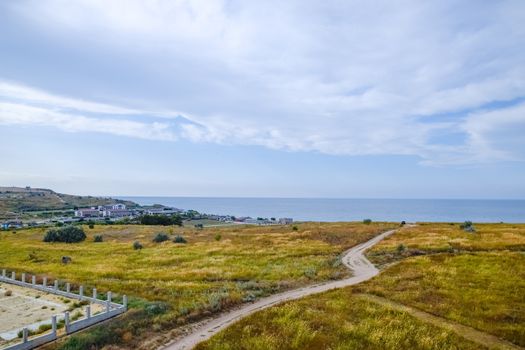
403 99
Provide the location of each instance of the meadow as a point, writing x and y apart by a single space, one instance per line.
461 279
334 320
171 284
427 238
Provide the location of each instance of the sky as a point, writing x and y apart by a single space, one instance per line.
353 99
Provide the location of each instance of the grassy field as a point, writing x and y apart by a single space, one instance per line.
483 290
447 238
172 283
335 320
474 279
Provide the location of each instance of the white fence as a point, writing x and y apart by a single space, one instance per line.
111 309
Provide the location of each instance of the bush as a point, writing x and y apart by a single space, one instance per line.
401 248
137 245
367 221
162 220
91 226
218 237
467 226
69 234
8 293
160 237
179 239
98 239
295 228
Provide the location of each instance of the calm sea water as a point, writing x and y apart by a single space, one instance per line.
317 209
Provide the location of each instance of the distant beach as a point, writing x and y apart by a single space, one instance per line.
321 209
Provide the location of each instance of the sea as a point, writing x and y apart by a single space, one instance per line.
331 209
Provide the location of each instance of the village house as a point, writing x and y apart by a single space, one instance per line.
88 212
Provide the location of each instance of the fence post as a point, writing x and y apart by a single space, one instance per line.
44 282
33 280
13 275
108 302
66 321
3 273
54 325
56 285
95 295
125 302
81 291
88 311
24 335
24 277
68 287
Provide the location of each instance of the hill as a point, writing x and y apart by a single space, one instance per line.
19 200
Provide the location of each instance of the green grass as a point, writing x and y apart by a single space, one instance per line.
171 284
476 280
482 290
335 320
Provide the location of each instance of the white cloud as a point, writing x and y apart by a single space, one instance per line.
350 78
17 114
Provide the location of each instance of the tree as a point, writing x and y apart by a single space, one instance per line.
162 220
367 221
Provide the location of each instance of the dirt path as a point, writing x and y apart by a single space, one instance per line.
353 259
481 338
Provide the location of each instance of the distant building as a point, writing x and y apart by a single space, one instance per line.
117 206
12 224
117 213
88 213
285 221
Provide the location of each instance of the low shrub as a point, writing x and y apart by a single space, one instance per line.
98 238
137 245
69 234
367 221
467 226
160 237
179 239
218 237
295 228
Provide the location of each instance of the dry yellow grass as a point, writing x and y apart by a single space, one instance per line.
440 238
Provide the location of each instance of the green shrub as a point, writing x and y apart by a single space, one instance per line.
179 239
91 226
401 248
367 221
98 238
160 237
295 228
69 234
218 237
137 245
467 226
162 220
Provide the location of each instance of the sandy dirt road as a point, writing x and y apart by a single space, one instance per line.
353 259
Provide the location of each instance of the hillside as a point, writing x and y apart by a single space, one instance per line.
16 200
